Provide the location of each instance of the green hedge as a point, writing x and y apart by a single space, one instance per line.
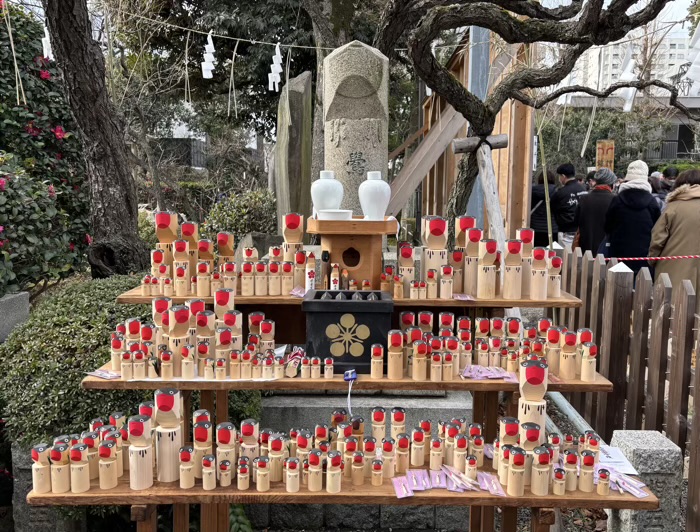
254 211
66 336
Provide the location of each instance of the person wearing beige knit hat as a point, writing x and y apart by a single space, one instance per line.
631 216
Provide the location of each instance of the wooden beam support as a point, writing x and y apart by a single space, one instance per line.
145 517
470 144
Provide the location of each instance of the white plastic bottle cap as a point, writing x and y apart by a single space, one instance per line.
374 175
327 174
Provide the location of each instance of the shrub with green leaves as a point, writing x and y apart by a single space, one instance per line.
254 211
35 241
66 336
147 229
45 359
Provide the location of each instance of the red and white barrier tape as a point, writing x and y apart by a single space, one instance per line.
669 257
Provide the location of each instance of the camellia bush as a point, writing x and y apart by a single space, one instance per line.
254 211
37 128
35 242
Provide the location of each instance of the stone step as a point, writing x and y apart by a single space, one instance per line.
305 411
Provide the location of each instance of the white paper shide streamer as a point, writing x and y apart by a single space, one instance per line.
209 58
46 45
628 93
274 78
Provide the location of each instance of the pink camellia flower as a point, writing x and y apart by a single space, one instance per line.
32 129
59 132
3 184
52 192
2 228
76 187
59 156
88 239
45 75
72 246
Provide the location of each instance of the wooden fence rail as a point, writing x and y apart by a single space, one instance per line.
647 332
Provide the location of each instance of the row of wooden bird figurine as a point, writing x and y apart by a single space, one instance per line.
317 458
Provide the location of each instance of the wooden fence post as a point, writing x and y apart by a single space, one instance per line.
586 290
681 354
614 348
574 287
566 256
597 293
658 353
639 349
583 313
693 508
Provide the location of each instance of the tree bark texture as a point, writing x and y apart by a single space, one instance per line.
330 31
116 247
461 190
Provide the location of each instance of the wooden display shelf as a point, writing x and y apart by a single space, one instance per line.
357 226
134 296
363 382
566 300
170 493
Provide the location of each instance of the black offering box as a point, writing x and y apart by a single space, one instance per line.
345 327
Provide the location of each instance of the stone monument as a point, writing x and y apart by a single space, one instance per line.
292 165
356 116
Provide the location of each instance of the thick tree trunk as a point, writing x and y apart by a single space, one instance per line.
331 24
116 246
461 190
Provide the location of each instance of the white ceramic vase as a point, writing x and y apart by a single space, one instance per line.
374 194
326 192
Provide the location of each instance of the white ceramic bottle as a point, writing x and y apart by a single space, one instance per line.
326 192
374 194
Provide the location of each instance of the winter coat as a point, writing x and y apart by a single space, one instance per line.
676 234
590 218
628 224
538 217
564 204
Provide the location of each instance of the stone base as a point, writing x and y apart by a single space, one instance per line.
14 309
304 411
660 465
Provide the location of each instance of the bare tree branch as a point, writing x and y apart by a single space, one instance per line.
535 77
538 103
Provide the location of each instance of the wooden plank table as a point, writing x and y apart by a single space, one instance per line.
363 382
170 493
566 300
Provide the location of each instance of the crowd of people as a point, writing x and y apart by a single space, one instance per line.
638 215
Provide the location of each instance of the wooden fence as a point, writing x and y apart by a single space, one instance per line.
647 335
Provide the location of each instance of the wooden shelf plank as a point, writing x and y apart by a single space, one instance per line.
358 226
364 382
566 300
170 493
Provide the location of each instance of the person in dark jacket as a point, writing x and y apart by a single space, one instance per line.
565 202
538 209
631 216
590 215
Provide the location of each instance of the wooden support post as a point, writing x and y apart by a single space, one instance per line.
475 519
693 511
208 519
469 144
567 257
487 522
490 429
681 355
487 177
181 518
614 349
145 517
542 519
658 348
574 286
639 349
509 522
